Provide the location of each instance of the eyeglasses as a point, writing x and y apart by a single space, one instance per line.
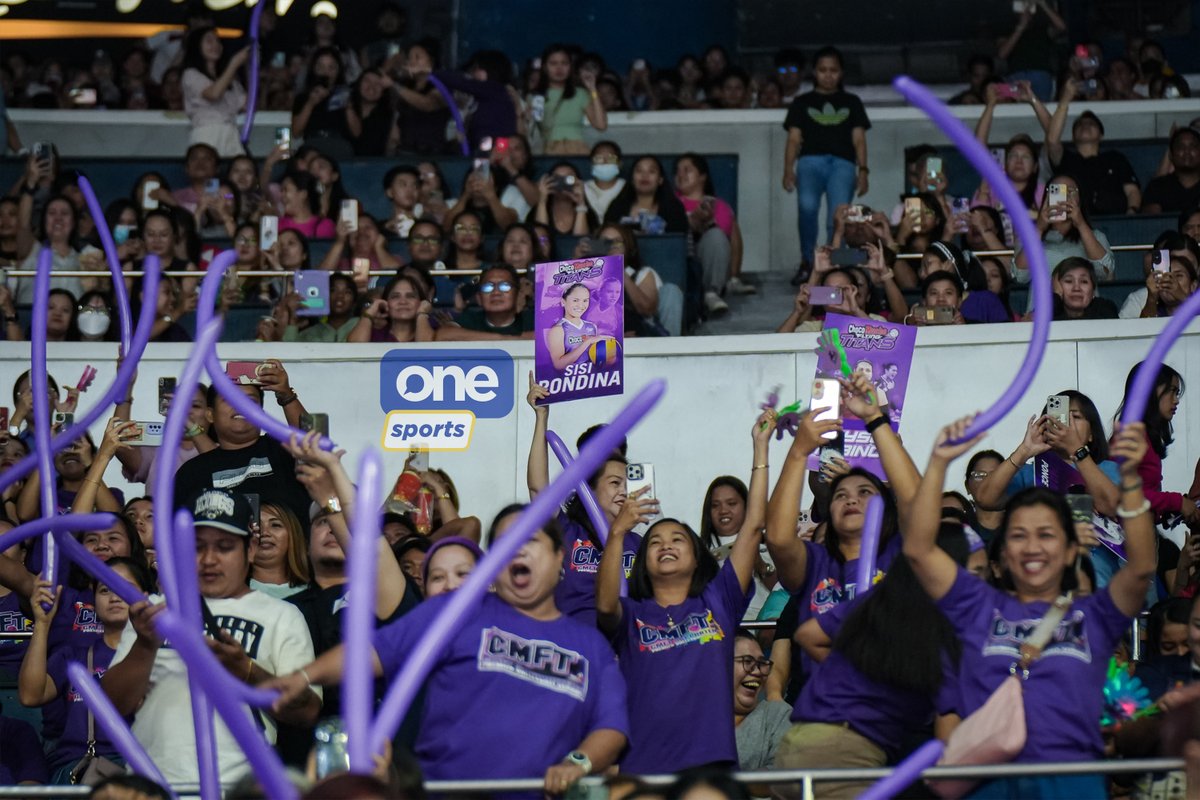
93 310
489 287
977 475
425 239
245 240
467 229
752 664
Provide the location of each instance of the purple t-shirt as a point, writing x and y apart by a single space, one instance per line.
574 335
511 695
1063 697
13 621
837 692
21 756
73 742
678 664
74 626
576 592
828 583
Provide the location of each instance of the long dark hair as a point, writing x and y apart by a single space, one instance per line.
1038 496
1158 428
623 202
549 527
888 525
707 536
193 55
1098 445
640 585
897 636
575 510
306 183
701 165
543 81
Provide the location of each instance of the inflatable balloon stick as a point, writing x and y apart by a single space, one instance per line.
869 549
358 620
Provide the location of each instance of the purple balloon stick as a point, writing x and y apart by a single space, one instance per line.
99 570
869 549
1147 372
38 383
120 295
1039 272
599 520
425 653
252 68
113 724
62 522
358 621
906 772
464 145
118 388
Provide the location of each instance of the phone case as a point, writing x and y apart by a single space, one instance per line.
166 388
268 232
146 434
148 188
1082 507
244 372
825 295
350 214
1059 407
313 287
826 400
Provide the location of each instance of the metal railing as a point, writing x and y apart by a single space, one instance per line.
1116 248
807 778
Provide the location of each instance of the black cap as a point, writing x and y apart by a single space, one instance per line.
225 511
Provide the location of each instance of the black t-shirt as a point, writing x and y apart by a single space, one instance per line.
1099 308
328 119
1101 178
264 468
826 122
474 319
1170 195
785 630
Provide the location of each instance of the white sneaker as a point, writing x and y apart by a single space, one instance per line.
736 286
715 306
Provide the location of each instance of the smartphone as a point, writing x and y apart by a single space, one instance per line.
935 315
933 170
418 460
858 214
639 63
596 247
83 97
278 61
145 434
268 232
246 373
121 234
61 421
484 167
350 214
149 202
1058 407
393 49
829 452
362 272
212 186
501 146
166 390
825 296
961 207
1082 507
1162 261
1056 194
1007 91
562 183
849 257
1084 59
485 144
638 476
827 402
330 750
283 138
313 287
912 210
315 422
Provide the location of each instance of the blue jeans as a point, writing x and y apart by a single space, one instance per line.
815 176
1076 787
1040 81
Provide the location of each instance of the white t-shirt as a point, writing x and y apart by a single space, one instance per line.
272 632
600 199
1134 303
512 198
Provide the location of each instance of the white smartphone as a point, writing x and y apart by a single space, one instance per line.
350 214
1056 194
1162 261
149 203
827 402
268 232
146 434
639 476
1058 406
419 461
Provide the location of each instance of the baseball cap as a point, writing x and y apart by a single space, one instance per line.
225 511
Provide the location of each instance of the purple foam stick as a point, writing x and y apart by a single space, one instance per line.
252 69
358 621
433 643
99 570
113 724
38 383
120 296
223 384
62 522
599 520
1147 371
188 606
454 112
204 666
906 772
1039 272
118 388
172 436
869 548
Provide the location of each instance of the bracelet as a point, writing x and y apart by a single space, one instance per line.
128 401
876 423
581 209
595 95
249 669
1132 487
1010 460
1137 512
307 679
283 401
758 466
444 496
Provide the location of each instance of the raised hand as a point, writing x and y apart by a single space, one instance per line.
945 449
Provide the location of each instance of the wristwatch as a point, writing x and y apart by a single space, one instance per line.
579 759
1082 453
333 505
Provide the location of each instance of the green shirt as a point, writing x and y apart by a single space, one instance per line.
563 118
320 332
473 319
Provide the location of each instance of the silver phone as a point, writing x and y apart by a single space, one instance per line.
1058 407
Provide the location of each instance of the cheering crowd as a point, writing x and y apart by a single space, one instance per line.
607 651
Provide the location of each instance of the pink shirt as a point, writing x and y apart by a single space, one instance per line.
722 213
315 228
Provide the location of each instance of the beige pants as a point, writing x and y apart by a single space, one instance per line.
567 147
817 745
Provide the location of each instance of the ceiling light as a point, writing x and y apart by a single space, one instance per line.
324 7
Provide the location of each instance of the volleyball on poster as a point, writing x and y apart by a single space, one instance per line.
579 320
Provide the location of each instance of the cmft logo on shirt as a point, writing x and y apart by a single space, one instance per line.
433 397
695 628
537 661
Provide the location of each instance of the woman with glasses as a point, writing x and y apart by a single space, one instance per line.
885 666
497 316
1066 233
465 252
989 517
674 633
760 724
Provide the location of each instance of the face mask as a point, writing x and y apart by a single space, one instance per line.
605 172
93 323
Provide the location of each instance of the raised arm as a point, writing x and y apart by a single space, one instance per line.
636 509
921 521
34 686
861 400
537 470
1058 123
127 681
1128 587
993 490
787 550
93 495
983 128
744 553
